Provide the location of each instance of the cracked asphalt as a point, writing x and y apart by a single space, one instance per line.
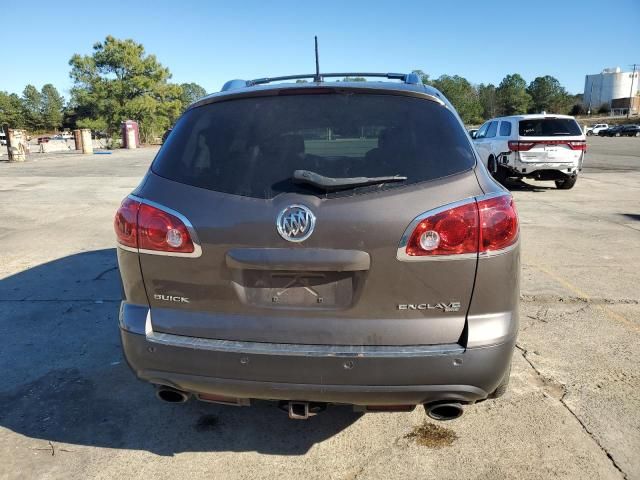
70 408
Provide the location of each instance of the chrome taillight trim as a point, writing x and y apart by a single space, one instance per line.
404 240
197 248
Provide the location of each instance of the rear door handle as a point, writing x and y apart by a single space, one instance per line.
303 259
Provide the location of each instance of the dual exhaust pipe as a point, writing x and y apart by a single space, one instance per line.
172 395
441 411
444 410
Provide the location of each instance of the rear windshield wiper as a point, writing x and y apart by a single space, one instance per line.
333 183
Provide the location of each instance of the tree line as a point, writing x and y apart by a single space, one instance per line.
477 103
118 81
121 81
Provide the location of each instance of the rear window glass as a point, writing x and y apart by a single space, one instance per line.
252 146
549 127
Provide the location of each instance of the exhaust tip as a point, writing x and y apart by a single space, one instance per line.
444 411
172 395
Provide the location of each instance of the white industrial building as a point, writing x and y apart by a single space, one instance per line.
610 84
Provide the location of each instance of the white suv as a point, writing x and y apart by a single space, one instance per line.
541 147
595 129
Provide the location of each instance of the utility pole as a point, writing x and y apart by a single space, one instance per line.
631 95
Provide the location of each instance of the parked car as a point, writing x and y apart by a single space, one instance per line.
630 131
595 129
614 131
44 139
3 138
262 258
540 147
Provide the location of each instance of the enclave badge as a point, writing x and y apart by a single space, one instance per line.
445 307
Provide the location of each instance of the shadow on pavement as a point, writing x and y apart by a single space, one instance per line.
514 185
65 379
632 216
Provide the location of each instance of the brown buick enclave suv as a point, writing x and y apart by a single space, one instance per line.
320 243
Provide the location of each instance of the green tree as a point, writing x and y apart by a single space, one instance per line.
512 95
11 111
462 95
354 79
190 93
547 95
488 100
32 108
121 81
52 104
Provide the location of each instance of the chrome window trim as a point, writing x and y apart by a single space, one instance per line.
197 248
402 256
297 350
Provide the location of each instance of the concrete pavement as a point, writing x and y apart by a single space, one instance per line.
69 406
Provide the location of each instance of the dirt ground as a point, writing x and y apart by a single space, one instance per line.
70 407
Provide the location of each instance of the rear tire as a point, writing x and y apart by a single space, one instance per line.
504 384
567 183
500 174
589 133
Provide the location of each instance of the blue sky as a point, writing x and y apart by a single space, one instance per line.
211 42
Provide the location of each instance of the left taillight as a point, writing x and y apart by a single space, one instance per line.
151 229
126 223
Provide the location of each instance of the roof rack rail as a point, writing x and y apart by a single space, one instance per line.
410 78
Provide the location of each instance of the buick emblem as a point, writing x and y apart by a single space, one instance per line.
295 223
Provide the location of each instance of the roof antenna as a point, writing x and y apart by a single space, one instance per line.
317 78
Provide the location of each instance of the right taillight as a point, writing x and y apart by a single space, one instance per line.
449 232
485 226
498 223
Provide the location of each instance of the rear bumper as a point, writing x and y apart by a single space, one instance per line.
542 170
353 375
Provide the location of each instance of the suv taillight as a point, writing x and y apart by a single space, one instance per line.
146 227
520 146
484 226
578 145
516 146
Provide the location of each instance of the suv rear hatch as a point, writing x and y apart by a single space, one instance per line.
549 140
228 167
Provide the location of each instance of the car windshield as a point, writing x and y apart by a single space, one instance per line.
549 127
253 146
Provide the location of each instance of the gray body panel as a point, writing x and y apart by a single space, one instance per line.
218 305
236 334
